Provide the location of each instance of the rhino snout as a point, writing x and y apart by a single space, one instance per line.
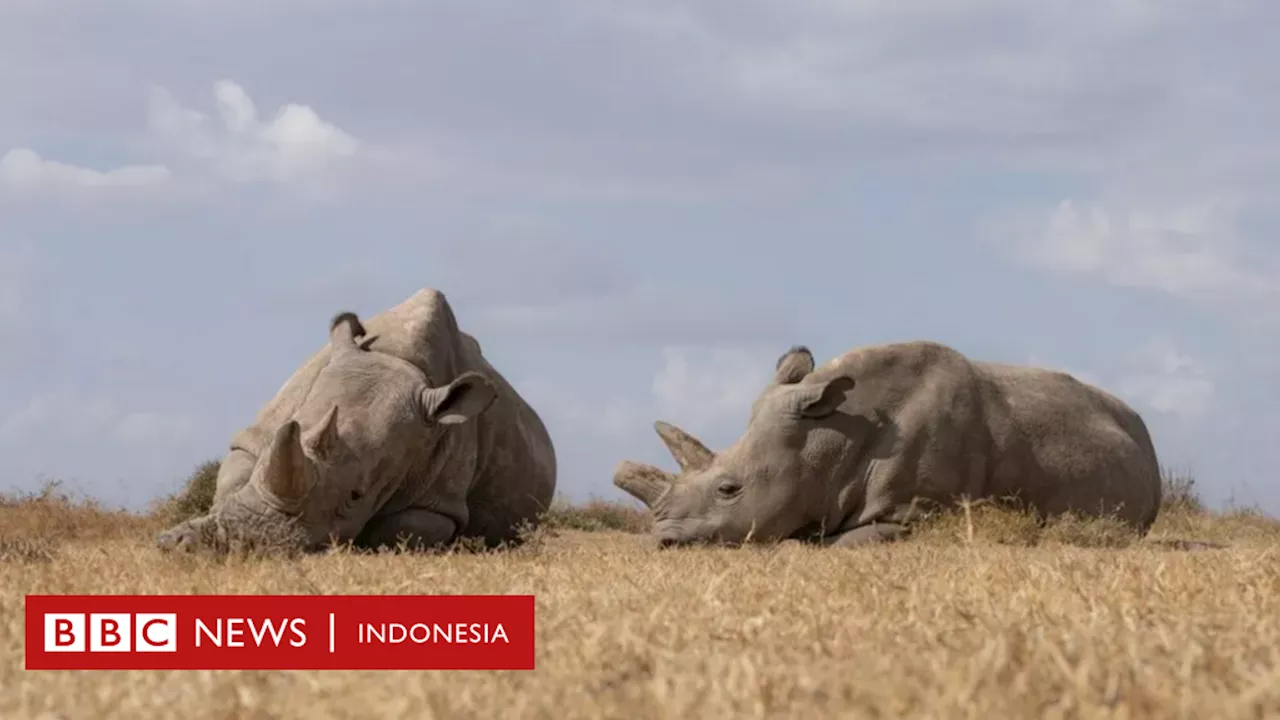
179 539
670 534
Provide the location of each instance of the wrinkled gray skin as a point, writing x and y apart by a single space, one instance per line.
399 429
836 454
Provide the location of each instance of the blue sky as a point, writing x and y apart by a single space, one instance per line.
635 207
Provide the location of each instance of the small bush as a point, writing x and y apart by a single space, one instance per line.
597 515
196 496
1178 492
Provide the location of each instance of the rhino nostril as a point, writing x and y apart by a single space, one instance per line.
176 540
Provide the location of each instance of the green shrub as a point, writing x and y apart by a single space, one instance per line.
196 496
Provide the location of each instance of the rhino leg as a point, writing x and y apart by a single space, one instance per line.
418 528
875 534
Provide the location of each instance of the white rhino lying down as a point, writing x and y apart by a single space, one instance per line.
837 454
407 433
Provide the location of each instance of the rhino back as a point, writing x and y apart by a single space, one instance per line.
1067 444
943 425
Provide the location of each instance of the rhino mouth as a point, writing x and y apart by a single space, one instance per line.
676 533
682 533
670 542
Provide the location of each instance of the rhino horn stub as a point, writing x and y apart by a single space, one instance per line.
688 451
285 472
323 439
645 483
344 328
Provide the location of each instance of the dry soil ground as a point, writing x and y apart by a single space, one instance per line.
1000 623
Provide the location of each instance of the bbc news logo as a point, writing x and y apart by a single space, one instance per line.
280 632
110 632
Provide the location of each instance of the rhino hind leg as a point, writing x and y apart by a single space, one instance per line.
419 529
875 534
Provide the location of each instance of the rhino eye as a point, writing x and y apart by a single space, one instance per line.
729 489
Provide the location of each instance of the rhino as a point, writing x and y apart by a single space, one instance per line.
398 430
838 455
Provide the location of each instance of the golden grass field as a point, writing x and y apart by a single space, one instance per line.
980 615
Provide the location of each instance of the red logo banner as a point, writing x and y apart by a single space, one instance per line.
279 632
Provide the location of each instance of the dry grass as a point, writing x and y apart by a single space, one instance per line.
981 614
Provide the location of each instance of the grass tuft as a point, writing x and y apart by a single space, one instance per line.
1178 492
598 515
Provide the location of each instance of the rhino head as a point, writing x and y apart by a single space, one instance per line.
765 487
333 460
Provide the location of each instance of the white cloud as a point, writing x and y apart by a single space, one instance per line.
638 315
116 451
710 390
25 169
67 416
707 391
295 144
1189 250
939 67
1168 381
1156 375
565 406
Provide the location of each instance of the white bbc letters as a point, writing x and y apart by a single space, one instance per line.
110 632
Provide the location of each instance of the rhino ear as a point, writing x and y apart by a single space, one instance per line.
793 365
344 328
821 399
688 451
285 472
323 440
461 400
645 483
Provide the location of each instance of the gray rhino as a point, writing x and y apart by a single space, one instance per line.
398 429
836 455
